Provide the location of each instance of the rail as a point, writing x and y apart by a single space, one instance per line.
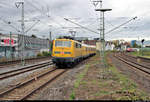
23 90
24 69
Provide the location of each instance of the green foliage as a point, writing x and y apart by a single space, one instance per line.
83 82
129 88
102 93
146 52
135 45
33 36
45 53
139 46
134 53
72 96
80 77
39 55
51 46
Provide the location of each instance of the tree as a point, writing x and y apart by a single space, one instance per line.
33 36
135 45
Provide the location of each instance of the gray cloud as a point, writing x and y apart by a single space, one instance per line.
83 11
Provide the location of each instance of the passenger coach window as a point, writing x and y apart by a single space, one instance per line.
63 43
77 45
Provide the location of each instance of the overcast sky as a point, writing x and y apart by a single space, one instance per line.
51 14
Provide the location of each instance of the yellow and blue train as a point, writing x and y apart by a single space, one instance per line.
69 52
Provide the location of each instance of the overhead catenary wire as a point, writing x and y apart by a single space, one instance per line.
109 23
34 6
81 26
9 23
43 13
120 25
52 19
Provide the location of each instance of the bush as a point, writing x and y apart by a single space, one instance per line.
45 53
39 55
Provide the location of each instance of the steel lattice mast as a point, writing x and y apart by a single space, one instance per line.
23 27
102 30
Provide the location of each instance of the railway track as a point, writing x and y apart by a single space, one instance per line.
138 60
25 89
143 59
14 62
133 63
24 69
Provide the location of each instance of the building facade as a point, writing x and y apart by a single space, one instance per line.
12 45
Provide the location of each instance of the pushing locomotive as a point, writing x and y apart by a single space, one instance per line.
69 52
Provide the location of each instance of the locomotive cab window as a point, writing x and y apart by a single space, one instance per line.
63 43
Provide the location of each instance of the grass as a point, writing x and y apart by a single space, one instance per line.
115 83
122 78
135 53
127 86
94 82
78 81
80 77
102 93
146 53
83 82
72 96
125 83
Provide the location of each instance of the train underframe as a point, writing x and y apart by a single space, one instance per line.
62 62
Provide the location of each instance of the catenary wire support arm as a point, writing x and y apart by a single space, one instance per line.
121 25
32 26
42 13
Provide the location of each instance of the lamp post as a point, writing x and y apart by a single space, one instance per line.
102 36
50 39
43 41
10 45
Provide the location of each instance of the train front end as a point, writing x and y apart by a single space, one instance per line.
62 53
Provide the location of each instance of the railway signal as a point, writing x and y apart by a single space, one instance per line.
142 41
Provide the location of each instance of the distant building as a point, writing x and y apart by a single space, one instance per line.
109 46
96 39
90 42
13 45
98 45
